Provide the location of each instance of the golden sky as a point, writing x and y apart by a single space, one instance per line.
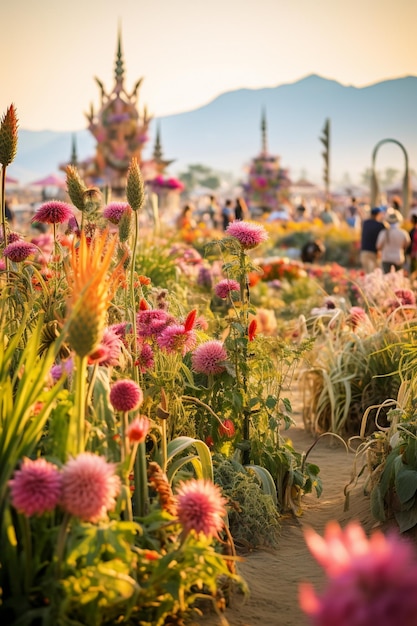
190 51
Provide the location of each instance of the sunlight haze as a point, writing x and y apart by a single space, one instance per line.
189 52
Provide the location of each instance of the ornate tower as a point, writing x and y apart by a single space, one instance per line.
120 130
267 185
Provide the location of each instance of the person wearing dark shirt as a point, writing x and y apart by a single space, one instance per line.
371 228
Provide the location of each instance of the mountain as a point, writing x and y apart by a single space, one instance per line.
225 134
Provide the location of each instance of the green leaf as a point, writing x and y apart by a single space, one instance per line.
180 444
406 484
266 480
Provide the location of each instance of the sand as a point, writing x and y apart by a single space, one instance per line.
273 577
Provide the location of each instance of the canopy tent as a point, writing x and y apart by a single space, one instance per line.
49 181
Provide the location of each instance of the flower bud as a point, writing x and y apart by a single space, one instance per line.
75 187
135 192
8 136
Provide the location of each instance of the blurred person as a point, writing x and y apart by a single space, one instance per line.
411 252
352 214
185 220
328 216
241 209
312 251
393 242
213 211
227 213
371 228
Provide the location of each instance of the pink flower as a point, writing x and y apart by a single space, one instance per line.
19 251
126 395
224 287
36 487
107 352
53 212
89 487
208 357
249 234
114 211
151 322
201 507
138 429
371 581
356 316
176 338
58 369
145 360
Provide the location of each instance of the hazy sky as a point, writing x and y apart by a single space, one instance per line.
190 51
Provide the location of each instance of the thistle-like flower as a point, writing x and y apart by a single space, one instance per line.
8 136
370 581
19 251
53 212
35 487
75 187
126 395
225 287
201 507
135 192
208 357
91 291
249 234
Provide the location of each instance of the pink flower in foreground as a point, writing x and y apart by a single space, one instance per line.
176 338
89 487
19 251
138 429
249 234
126 395
151 322
371 581
208 357
201 507
224 287
107 352
114 211
36 487
53 212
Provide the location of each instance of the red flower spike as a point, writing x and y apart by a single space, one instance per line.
252 330
189 322
143 305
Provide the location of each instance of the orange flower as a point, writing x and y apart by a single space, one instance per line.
92 288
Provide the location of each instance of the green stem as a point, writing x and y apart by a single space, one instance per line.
141 494
60 544
3 212
164 445
76 433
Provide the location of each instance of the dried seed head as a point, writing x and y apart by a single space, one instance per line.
135 191
75 187
8 136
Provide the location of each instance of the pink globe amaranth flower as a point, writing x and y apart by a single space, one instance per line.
19 251
249 234
89 487
36 487
53 212
114 211
126 395
108 350
138 429
371 581
201 507
151 322
208 357
145 360
224 287
176 338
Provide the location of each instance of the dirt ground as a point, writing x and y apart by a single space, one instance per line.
273 577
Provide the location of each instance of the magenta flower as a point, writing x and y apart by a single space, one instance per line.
145 358
224 287
151 322
370 581
53 212
249 234
89 487
126 395
114 211
176 338
357 315
19 251
208 357
201 507
405 297
138 429
35 487
108 350
58 369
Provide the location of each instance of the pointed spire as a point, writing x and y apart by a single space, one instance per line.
119 69
263 130
74 156
157 151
